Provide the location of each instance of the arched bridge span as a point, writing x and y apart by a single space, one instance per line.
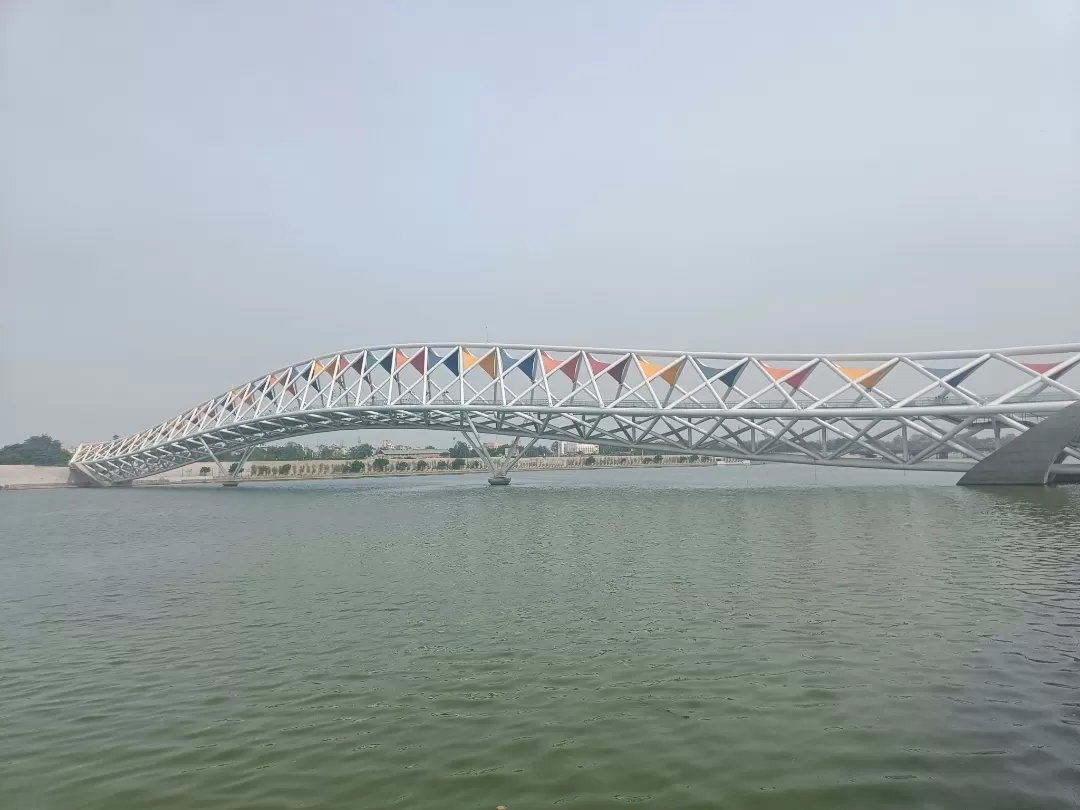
946 411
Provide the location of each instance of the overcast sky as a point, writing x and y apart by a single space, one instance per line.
195 193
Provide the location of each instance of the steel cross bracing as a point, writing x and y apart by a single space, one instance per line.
917 411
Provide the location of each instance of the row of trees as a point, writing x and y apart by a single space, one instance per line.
41 451
294 451
378 465
590 461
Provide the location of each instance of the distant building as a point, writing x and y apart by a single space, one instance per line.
577 449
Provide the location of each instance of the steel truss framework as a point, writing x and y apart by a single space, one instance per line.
918 411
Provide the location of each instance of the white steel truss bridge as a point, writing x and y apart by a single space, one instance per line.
998 415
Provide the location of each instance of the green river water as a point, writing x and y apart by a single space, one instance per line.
762 637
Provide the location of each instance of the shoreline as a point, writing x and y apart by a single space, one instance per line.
162 481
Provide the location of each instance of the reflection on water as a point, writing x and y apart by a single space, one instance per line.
767 637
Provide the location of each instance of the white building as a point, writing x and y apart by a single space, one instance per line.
577 449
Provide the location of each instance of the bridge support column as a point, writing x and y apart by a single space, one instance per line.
498 470
1030 458
234 477
85 477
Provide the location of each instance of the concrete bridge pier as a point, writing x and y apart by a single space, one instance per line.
1033 457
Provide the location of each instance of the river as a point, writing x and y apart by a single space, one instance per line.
758 637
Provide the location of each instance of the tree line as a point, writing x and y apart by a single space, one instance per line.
41 451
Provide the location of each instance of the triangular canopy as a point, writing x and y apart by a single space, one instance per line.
339 366
488 364
728 376
618 370
954 376
549 363
1043 368
795 380
731 376
453 362
865 377
527 365
668 373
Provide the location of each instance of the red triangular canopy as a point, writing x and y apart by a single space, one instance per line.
1041 368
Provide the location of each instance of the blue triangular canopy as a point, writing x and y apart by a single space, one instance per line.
528 366
709 371
952 376
432 359
388 361
453 361
731 376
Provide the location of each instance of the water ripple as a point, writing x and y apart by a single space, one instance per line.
590 644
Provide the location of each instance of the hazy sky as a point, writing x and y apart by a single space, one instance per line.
195 193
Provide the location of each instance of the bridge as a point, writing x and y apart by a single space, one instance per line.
997 416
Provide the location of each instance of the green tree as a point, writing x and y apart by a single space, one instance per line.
380 464
361 451
204 470
402 466
356 466
646 460
233 467
421 466
42 451
284 469
590 461
457 464
441 465
474 465
658 459
461 450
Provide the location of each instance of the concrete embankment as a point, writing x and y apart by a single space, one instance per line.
25 476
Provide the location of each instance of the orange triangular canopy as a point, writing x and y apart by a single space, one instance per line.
671 373
418 360
668 374
649 370
864 377
795 380
400 359
487 363
337 368
468 360
550 363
